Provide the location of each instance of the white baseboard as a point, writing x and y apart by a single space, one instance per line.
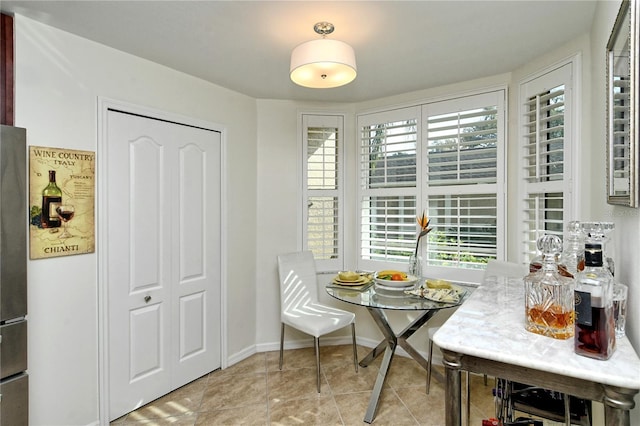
328 341
243 354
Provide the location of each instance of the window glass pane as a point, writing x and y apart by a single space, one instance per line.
544 149
388 157
322 158
322 210
388 227
462 147
322 227
544 214
464 230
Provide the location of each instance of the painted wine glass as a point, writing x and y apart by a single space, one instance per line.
66 212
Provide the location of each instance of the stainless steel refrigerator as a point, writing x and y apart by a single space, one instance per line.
14 381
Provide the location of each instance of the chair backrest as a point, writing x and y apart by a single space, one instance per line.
509 269
298 279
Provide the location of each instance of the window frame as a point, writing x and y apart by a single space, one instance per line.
567 73
387 116
322 120
497 96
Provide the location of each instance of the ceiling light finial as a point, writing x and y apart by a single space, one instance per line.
323 28
323 63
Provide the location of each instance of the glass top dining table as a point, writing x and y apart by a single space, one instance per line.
377 300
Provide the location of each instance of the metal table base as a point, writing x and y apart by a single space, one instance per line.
617 401
389 347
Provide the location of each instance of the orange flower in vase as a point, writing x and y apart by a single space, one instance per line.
414 260
423 221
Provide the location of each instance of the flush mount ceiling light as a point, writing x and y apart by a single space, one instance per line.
323 63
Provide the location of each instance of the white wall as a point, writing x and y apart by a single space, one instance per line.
58 80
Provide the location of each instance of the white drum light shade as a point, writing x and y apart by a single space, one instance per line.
323 64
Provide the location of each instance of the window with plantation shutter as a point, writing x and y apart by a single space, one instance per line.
388 191
545 130
464 181
322 147
445 159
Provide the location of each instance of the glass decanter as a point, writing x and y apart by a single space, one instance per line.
572 258
600 233
549 295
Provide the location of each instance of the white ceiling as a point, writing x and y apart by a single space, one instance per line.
400 46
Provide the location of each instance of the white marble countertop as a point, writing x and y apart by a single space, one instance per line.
491 325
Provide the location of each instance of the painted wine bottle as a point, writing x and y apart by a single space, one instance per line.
51 198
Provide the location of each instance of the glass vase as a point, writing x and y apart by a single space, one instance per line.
415 266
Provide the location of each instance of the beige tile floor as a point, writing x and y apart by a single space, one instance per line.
255 392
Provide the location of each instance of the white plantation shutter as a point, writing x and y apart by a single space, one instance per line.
388 177
462 147
445 159
464 181
543 214
388 227
544 136
545 124
322 175
465 230
389 154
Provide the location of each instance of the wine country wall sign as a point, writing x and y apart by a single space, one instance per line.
61 202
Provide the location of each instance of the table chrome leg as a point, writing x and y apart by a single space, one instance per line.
453 393
373 354
408 332
617 403
377 388
389 345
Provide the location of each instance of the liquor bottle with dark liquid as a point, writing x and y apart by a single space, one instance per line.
51 198
595 327
549 294
600 233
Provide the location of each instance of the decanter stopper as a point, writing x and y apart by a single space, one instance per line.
550 246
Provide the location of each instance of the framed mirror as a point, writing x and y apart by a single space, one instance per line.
622 108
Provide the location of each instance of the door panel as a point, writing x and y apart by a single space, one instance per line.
146 213
163 221
198 264
192 212
146 341
192 333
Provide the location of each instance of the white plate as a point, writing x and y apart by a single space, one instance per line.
398 290
409 282
359 281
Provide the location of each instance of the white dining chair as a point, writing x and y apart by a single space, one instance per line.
300 309
494 267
